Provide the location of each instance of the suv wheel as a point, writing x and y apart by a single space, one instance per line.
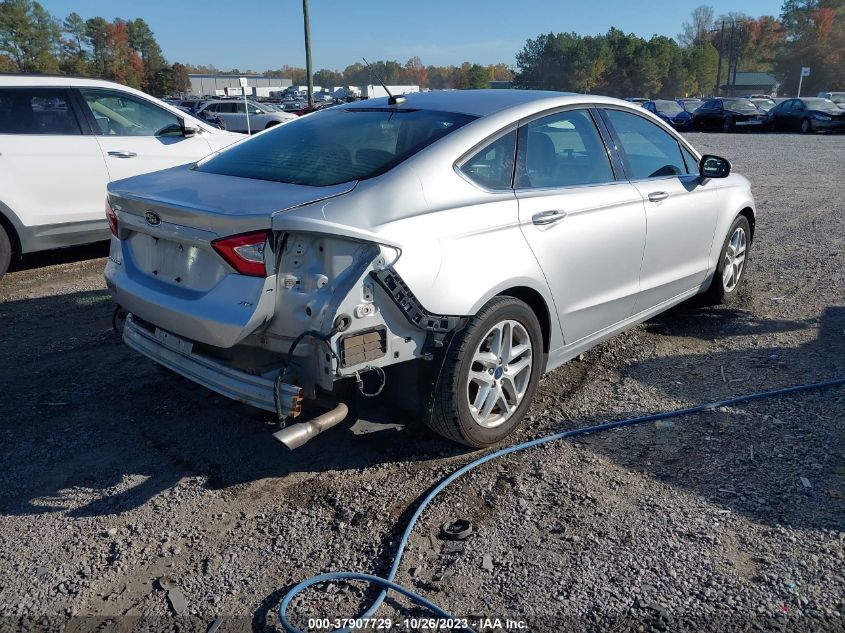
732 263
5 252
489 375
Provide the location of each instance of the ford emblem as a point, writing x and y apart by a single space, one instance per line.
152 218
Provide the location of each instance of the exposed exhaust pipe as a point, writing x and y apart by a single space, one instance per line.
296 435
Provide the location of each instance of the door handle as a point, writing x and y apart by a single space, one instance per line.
123 154
548 217
658 196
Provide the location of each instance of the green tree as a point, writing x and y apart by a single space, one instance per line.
29 36
97 33
73 59
328 78
143 41
700 65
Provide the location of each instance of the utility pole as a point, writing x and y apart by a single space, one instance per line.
308 69
718 91
731 59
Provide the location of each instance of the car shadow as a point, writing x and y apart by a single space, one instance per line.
97 430
57 256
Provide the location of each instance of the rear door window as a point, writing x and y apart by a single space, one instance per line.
562 150
37 111
648 150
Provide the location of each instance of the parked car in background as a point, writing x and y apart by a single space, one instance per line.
837 97
306 109
806 115
480 238
763 103
669 111
728 114
62 139
233 113
188 105
690 105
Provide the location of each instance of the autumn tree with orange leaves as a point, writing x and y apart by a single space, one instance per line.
815 37
121 62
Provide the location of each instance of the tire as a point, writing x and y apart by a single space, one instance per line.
5 251
728 124
450 413
271 124
724 289
806 126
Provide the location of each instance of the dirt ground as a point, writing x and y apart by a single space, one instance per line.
123 489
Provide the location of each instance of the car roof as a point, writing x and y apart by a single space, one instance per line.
35 79
482 103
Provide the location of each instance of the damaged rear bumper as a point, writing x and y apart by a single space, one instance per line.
177 355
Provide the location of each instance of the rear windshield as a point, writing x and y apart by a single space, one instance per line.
691 106
738 104
823 105
669 107
336 145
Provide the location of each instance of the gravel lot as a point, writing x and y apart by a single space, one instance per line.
122 489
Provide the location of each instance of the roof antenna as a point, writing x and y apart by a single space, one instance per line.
398 100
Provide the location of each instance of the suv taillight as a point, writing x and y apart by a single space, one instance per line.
244 253
111 216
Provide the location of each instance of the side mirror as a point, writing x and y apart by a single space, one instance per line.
189 130
714 167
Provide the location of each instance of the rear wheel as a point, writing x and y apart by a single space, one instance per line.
806 126
489 375
5 251
732 263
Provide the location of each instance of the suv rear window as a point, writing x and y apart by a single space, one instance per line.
36 111
335 145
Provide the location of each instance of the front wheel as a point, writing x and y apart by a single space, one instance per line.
806 126
5 252
728 124
489 375
732 263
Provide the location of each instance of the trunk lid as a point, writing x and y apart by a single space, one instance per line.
223 205
170 275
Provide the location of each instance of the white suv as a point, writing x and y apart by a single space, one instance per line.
233 113
63 139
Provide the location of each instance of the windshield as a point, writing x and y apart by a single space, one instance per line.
336 145
823 105
739 104
692 106
669 107
763 103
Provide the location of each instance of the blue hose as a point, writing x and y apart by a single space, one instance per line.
387 582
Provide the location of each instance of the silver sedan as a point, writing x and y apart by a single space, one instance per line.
447 248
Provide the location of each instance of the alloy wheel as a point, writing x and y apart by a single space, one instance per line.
734 262
499 374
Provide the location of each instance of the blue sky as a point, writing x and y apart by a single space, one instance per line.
269 33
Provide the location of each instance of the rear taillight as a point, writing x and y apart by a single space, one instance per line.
244 253
111 216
